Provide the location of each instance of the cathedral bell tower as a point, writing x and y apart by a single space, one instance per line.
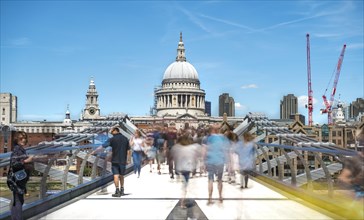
92 110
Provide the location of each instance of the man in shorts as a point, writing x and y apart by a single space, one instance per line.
120 151
214 155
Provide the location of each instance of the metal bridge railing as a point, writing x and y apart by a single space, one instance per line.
64 169
309 173
57 176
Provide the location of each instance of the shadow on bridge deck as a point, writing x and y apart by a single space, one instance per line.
154 196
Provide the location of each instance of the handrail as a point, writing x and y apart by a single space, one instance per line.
52 183
314 174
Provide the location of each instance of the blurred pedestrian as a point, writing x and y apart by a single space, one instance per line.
184 154
206 134
171 137
161 144
120 150
233 158
247 154
352 174
215 159
150 150
18 161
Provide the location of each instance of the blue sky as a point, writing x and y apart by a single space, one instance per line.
253 50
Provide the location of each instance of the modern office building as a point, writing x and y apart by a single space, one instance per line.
356 107
288 106
226 105
208 108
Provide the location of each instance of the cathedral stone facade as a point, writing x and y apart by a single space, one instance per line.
180 93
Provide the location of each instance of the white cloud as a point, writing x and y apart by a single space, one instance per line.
195 20
239 106
31 117
23 41
327 35
355 46
250 86
228 22
303 100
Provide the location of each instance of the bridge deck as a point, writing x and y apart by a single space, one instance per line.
154 196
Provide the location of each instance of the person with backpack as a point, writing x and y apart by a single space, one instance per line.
18 175
160 144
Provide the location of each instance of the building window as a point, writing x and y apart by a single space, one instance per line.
334 133
339 133
338 142
3 111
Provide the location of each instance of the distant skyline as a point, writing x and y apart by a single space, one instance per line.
253 50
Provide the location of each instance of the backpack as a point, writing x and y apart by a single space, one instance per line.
158 141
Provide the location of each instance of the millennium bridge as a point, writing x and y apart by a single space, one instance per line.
295 178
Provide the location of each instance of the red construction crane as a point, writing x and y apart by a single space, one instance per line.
309 105
328 104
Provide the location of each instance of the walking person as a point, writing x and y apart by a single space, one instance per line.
247 154
233 160
120 151
18 161
215 159
137 143
171 137
161 144
184 154
150 151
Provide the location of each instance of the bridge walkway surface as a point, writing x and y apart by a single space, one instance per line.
153 196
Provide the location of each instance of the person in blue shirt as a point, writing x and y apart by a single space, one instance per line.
215 153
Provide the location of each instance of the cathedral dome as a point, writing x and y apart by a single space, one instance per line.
180 92
180 70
